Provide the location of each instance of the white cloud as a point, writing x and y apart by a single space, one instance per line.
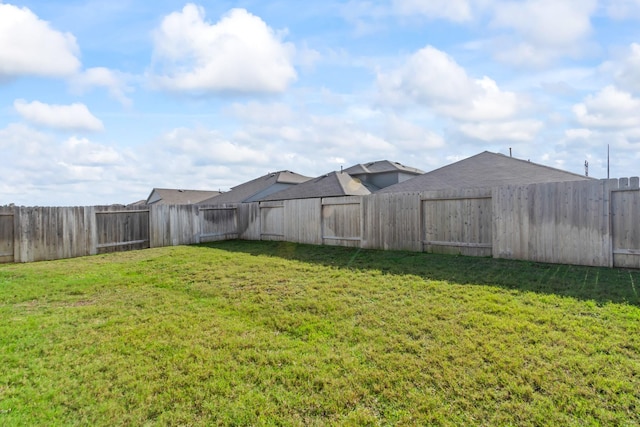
626 70
592 145
257 112
408 136
202 146
29 46
75 116
432 78
428 76
547 22
18 136
82 152
578 133
115 82
544 29
453 10
611 117
517 131
40 169
488 102
609 108
240 53
623 9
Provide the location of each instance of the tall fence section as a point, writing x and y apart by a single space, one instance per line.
583 222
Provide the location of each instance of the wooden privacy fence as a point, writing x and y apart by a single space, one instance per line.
583 222
46 233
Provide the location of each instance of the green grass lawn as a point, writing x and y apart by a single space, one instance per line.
273 333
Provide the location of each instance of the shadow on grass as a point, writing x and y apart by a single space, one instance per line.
599 284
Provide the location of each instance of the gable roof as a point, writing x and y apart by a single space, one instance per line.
243 192
333 184
381 166
484 170
169 196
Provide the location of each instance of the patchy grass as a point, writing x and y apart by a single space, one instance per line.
272 333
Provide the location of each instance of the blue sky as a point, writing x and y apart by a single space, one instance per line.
102 100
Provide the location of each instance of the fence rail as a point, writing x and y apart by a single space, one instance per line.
584 222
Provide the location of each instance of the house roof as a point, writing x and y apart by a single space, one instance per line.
484 170
333 184
245 191
169 196
381 166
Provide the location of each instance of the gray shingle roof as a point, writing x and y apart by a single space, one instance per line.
168 196
484 170
333 184
243 192
381 166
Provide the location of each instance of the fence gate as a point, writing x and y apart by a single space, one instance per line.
457 224
625 216
6 235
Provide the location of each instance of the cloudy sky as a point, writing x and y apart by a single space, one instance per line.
102 100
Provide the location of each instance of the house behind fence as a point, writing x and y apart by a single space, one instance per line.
589 222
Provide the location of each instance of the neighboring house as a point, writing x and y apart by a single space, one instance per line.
334 184
166 196
258 188
485 170
382 174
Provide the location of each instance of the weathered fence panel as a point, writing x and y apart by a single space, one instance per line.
218 223
272 220
457 222
391 221
172 225
121 229
342 221
249 221
7 226
303 221
48 233
564 222
625 223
